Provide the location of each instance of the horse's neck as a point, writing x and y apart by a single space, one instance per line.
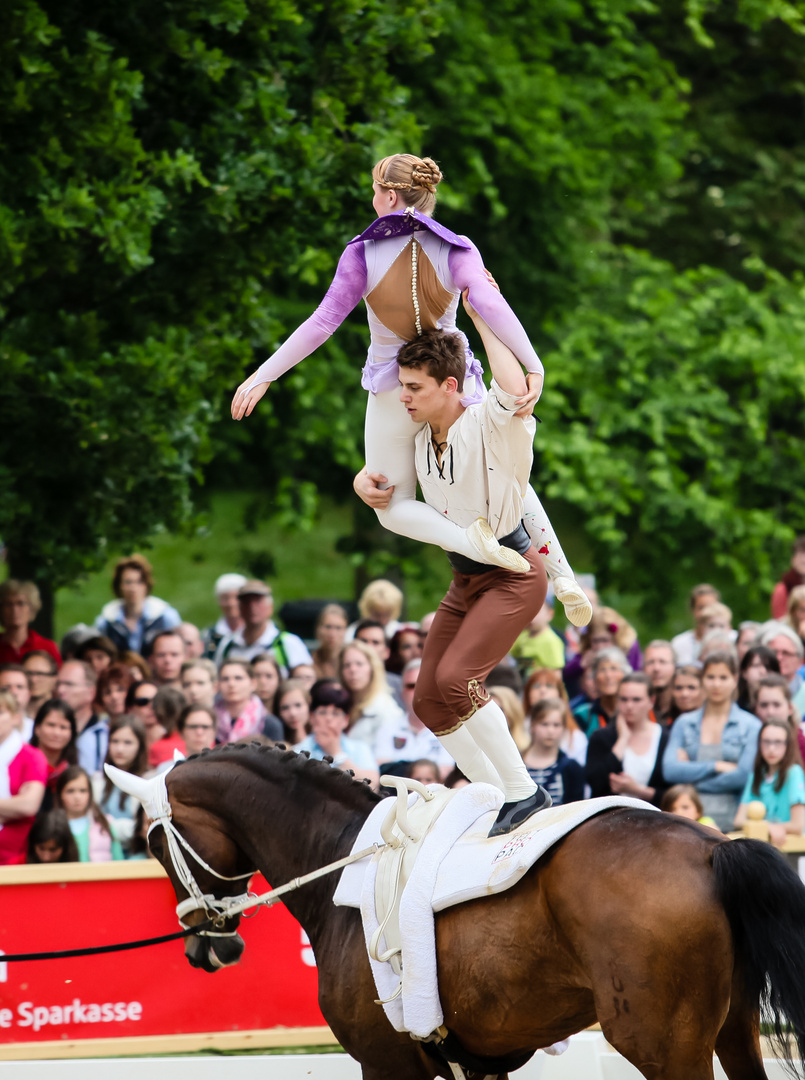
295 832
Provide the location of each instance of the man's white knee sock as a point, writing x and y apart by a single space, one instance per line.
472 761
490 732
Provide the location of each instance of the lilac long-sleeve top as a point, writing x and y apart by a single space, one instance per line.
363 265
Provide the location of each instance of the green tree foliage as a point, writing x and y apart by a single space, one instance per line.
177 181
676 425
557 122
742 190
167 170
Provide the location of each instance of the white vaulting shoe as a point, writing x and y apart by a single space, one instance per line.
573 599
488 549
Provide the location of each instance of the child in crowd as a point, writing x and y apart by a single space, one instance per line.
548 765
51 840
546 683
293 708
128 750
777 781
683 799
92 832
773 701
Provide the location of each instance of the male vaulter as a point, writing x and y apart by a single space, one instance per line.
472 463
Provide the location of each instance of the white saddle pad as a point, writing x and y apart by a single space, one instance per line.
457 862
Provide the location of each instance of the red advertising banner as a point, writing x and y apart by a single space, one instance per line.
144 992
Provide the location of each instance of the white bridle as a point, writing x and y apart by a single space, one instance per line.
153 794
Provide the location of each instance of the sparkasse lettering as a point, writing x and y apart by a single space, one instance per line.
37 1017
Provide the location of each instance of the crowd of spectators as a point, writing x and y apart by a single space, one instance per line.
700 725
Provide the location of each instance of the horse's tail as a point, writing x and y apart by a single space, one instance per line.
765 904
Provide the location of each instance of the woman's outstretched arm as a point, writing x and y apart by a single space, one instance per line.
344 293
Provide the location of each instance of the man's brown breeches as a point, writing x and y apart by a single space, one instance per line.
476 625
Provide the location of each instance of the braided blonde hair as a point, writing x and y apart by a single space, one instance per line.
415 178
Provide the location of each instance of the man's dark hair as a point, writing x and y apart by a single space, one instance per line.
369 624
438 353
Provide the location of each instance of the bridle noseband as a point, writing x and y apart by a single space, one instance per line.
160 811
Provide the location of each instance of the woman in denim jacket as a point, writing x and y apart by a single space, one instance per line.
714 747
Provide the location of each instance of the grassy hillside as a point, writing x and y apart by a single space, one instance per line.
305 564
298 564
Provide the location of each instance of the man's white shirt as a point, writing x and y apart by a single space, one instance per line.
485 466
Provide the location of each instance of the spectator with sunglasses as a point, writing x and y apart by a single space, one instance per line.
140 703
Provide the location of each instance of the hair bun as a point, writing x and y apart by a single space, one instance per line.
427 174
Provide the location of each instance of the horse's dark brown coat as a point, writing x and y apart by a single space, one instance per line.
620 923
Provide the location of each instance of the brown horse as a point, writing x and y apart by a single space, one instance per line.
653 926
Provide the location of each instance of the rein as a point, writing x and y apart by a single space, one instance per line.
218 910
230 906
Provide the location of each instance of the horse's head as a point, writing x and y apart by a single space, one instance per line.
208 871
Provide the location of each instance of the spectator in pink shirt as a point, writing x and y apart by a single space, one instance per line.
23 775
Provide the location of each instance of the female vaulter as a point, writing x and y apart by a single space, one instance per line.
411 271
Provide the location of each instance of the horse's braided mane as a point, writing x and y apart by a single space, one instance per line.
263 759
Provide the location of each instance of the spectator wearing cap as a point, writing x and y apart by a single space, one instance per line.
226 594
329 719
259 634
539 646
133 620
406 738
19 605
